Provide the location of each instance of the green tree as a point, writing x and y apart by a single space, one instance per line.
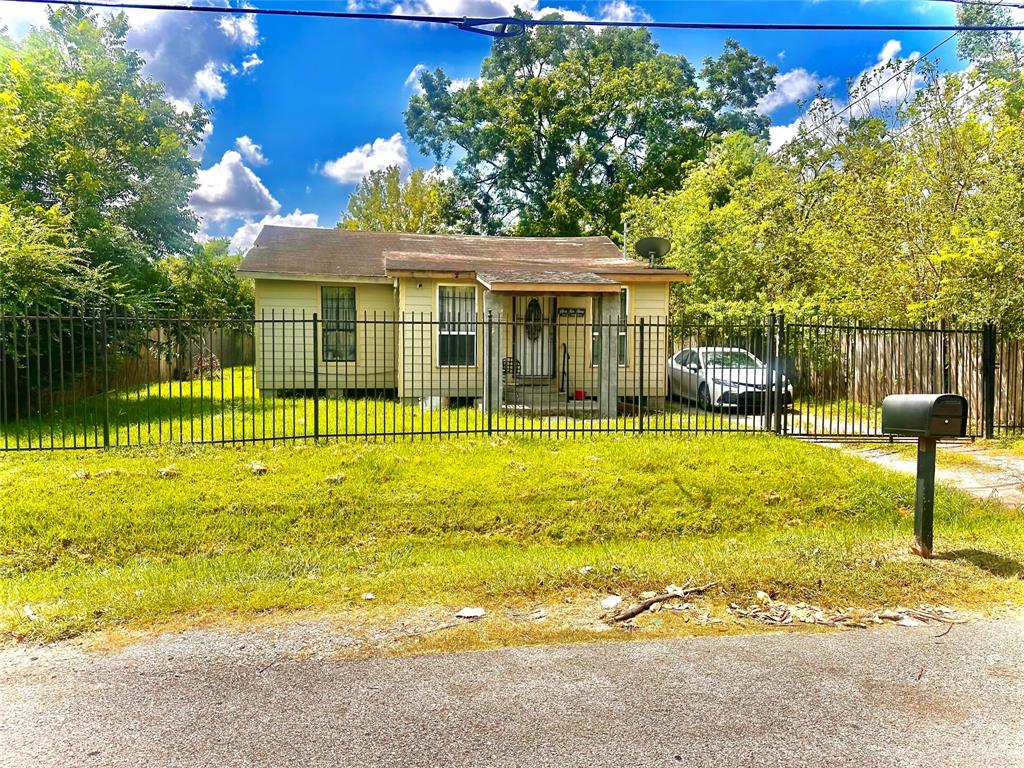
85 133
920 220
564 123
39 266
206 285
998 55
384 202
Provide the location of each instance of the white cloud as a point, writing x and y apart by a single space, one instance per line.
240 29
192 52
251 151
246 234
822 109
440 173
19 18
611 10
251 62
620 10
229 189
352 166
209 84
790 87
413 78
888 82
197 151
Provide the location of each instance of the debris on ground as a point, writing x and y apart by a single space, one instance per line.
470 613
81 474
368 596
168 472
654 601
610 602
337 479
777 612
258 468
586 569
29 613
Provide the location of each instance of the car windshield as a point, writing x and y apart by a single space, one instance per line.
732 358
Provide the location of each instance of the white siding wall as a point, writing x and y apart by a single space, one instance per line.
284 344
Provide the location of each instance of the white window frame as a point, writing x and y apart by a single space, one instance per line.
623 332
473 324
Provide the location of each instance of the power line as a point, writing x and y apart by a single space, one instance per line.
960 97
509 26
907 68
992 3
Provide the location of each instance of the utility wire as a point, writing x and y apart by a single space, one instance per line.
961 97
509 26
904 70
992 3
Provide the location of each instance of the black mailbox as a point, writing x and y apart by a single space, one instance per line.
928 418
925 415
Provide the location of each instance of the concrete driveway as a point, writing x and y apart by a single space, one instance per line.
892 697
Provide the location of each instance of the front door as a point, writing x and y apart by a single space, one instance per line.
535 335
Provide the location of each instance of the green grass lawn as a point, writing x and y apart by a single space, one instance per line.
231 408
100 540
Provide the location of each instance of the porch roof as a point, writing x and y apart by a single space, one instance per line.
547 281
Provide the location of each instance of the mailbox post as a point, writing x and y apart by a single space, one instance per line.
924 501
929 418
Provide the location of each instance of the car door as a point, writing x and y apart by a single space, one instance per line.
688 374
675 375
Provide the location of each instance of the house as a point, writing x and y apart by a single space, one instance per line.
455 317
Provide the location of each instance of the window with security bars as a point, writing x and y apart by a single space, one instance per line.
456 330
595 345
339 323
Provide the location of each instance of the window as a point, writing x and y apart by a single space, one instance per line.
595 347
339 328
734 359
456 330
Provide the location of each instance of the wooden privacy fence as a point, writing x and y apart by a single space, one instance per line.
95 380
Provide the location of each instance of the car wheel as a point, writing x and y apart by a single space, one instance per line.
704 398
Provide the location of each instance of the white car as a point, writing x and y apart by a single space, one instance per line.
723 377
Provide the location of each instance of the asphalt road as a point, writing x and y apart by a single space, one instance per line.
892 697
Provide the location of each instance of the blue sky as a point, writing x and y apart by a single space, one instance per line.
303 107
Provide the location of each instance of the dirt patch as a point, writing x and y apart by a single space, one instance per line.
984 475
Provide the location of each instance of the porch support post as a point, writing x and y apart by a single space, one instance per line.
608 317
492 353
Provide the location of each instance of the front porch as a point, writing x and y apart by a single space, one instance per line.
542 351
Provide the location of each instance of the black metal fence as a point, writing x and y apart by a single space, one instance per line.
98 380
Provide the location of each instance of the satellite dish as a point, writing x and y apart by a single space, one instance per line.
652 248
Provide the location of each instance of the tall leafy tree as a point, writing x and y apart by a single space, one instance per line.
205 284
918 220
385 202
86 134
564 123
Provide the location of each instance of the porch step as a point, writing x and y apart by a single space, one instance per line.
544 400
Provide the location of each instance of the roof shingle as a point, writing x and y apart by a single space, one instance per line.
342 253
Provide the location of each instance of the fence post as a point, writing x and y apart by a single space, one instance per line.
489 372
778 401
316 379
988 378
768 405
640 402
106 378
